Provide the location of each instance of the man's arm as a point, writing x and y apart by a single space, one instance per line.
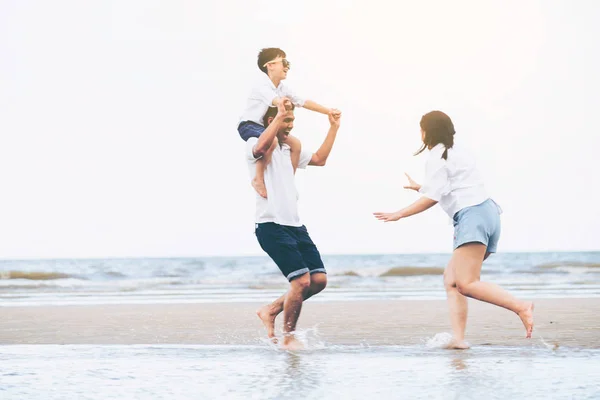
320 157
276 101
266 138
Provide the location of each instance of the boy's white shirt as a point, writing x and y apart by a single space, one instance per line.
261 98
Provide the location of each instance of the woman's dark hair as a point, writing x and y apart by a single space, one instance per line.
268 54
438 129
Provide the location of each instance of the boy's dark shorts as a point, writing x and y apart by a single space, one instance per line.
248 129
291 248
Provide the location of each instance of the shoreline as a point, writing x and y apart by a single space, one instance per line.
559 322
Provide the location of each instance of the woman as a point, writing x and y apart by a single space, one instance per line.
452 180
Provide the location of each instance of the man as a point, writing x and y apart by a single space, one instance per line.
278 228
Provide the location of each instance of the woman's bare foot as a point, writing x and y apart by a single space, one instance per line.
526 316
291 343
457 345
260 187
267 316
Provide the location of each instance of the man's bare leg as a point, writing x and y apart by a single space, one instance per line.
258 183
268 313
292 306
467 261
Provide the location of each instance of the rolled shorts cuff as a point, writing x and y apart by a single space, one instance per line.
321 270
465 240
296 274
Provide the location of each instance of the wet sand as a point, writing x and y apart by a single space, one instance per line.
558 322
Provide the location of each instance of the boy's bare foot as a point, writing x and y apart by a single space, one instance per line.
260 188
457 345
526 316
267 317
291 343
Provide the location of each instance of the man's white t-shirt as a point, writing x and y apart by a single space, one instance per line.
261 98
281 204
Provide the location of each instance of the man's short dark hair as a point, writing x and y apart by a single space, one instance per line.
272 112
268 54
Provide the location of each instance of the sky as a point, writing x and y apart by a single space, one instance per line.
118 121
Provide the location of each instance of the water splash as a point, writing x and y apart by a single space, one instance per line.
439 341
550 346
309 338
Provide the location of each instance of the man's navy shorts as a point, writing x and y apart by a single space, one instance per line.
291 248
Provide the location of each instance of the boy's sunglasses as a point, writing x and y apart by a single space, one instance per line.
284 62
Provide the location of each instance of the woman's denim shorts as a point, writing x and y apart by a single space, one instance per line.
478 224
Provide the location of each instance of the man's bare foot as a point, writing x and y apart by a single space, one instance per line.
267 317
291 343
526 316
260 187
457 345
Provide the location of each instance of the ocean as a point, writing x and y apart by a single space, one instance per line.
244 279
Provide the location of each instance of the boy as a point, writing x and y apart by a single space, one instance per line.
268 93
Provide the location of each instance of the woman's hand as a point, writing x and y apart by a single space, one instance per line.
412 184
388 217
